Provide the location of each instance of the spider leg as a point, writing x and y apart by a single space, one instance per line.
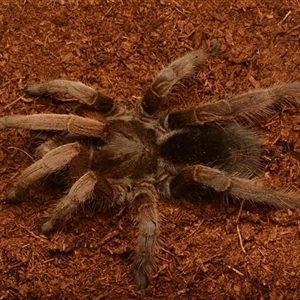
71 123
182 68
45 147
239 188
53 161
85 94
82 190
250 106
145 202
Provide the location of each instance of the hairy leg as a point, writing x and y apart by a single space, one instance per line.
52 162
182 68
89 185
71 123
250 106
81 191
145 203
85 94
45 147
239 188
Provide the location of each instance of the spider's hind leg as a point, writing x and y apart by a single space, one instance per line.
248 107
236 187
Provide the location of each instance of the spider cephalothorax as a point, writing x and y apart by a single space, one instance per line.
111 156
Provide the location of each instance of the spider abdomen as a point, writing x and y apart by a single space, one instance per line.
227 146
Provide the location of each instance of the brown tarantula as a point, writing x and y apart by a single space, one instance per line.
112 156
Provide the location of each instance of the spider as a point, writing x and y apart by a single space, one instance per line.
113 157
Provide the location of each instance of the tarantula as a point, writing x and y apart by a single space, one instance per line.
112 156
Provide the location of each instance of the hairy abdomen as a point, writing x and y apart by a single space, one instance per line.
227 146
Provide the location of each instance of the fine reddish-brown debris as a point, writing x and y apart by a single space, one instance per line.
209 249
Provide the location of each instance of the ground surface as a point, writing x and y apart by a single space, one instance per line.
118 46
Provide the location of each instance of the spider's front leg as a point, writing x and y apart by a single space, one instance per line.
144 201
85 94
52 162
56 122
239 188
85 185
